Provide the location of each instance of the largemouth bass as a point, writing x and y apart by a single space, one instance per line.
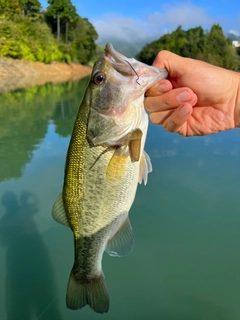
105 162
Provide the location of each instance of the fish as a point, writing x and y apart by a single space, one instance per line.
105 162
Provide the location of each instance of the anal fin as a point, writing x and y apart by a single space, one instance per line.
122 242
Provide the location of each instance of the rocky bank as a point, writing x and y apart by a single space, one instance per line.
20 74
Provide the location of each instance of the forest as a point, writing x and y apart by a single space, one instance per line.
210 46
57 34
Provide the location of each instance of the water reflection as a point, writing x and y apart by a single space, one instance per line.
24 119
29 284
191 307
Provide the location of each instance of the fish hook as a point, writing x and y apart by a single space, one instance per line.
134 72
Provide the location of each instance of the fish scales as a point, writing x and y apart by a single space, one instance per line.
105 162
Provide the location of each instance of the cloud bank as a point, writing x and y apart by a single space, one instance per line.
153 26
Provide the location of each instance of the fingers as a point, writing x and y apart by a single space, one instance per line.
170 100
172 108
172 120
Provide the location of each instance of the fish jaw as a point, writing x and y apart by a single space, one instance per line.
141 76
117 104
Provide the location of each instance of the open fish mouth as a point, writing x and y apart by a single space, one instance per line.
131 66
119 62
114 55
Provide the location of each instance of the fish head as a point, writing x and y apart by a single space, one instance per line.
116 93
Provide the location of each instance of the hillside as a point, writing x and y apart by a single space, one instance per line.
57 34
210 46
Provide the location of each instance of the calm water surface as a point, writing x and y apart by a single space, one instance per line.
186 221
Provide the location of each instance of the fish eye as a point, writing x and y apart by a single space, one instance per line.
98 78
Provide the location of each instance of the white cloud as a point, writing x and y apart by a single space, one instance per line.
165 20
185 14
119 27
235 32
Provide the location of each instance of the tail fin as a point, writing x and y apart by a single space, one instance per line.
94 293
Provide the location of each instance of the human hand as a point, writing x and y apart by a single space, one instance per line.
196 99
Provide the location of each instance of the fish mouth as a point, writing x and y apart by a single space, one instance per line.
118 61
130 66
113 55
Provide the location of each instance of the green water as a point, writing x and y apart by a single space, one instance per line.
186 221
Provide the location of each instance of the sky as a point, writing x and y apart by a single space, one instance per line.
138 19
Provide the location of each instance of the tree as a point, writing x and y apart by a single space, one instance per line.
69 16
10 7
212 46
23 35
60 10
30 8
82 36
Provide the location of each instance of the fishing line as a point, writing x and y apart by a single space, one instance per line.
101 154
134 72
48 306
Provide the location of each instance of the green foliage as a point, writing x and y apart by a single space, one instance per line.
31 8
59 13
211 46
25 39
28 33
10 8
82 36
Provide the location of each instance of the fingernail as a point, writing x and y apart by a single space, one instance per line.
184 96
183 111
163 88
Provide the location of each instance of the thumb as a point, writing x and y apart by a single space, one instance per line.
170 61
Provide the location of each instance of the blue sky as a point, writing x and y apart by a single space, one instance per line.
128 20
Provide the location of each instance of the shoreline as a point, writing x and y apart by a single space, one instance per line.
21 74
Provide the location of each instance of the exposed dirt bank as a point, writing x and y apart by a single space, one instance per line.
19 74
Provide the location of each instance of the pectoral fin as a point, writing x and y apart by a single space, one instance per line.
58 211
145 168
117 164
122 242
116 167
134 144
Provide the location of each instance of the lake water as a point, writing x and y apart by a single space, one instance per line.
186 261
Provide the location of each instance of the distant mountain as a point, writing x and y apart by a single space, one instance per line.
233 36
129 49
